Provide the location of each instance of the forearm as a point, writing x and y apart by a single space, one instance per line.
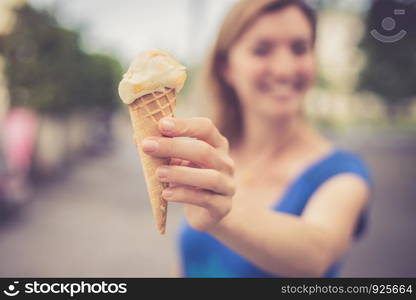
279 243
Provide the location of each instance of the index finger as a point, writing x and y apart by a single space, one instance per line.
200 128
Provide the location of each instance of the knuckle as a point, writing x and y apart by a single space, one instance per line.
207 126
205 153
182 126
225 142
229 164
225 207
206 200
216 180
231 188
207 122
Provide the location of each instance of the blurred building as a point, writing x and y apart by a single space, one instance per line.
339 64
7 22
4 93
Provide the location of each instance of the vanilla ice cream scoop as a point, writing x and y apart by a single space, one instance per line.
151 71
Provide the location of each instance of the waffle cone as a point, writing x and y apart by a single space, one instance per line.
145 113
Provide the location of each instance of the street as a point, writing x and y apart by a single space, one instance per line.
96 221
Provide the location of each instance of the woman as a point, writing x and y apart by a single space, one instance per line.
264 194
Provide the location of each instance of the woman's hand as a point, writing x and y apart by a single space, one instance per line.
201 171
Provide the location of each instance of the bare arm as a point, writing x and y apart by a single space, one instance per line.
294 246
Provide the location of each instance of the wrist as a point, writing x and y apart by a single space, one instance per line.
224 224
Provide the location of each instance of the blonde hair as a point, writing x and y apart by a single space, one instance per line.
221 96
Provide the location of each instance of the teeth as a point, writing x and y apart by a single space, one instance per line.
281 88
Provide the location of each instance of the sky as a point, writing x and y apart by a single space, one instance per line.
126 27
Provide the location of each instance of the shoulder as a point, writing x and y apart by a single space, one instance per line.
344 162
343 184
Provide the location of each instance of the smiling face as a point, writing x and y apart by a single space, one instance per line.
272 65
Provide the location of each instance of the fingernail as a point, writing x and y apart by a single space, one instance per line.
167 124
150 145
167 193
162 172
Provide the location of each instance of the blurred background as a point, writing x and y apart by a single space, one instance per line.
72 196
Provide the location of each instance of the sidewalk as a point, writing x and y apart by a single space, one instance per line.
96 222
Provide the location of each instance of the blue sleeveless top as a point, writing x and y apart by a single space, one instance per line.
204 256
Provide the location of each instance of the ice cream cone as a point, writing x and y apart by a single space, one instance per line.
149 88
145 113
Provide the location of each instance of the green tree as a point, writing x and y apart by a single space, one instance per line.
48 71
390 71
